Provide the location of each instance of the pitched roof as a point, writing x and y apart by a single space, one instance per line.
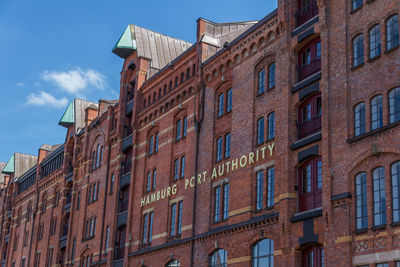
159 48
75 114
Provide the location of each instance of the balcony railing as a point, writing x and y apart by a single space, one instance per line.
126 167
309 11
64 230
119 253
307 69
123 205
128 130
307 128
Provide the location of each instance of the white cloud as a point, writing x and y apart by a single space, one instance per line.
20 84
46 99
75 81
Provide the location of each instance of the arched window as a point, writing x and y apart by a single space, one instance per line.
271 76
358 50
309 58
93 160
271 126
98 156
394 105
310 184
227 145
395 174
262 253
56 197
376 112
173 263
101 155
218 258
378 176
261 81
359 119
361 201
392 32
375 41
221 104
260 131
219 149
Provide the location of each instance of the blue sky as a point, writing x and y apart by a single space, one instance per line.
52 51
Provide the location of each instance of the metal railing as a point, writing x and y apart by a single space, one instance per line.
123 205
309 127
307 69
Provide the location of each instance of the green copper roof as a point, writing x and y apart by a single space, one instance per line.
9 168
69 115
126 43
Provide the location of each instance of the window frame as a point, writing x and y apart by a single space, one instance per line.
255 252
358 50
376 105
381 200
359 119
374 41
396 37
361 203
312 197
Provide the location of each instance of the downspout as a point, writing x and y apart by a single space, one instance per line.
198 127
105 195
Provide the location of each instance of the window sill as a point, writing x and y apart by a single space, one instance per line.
260 93
361 231
378 227
372 59
395 224
353 68
356 9
391 49
370 133
306 141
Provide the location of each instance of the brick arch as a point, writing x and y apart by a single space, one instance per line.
304 42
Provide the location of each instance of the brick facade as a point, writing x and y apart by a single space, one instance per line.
247 148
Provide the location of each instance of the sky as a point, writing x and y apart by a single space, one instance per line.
53 51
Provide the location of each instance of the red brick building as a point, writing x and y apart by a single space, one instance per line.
265 143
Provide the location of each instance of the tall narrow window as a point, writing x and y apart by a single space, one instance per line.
225 209
221 104
394 105
358 50
271 76
112 183
180 211
395 174
37 259
359 119
156 142
378 176
94 160
392 32
271 180
148 182
98 156
361 201
376 112
262 253
182 166
217 211
261 81
227 145
178 130
356 4
50 257
145 222
229 100
184 132
260 190
151 145
153 185
107 239
375 41
173 219
271 126
176 169
260 131
150 226
219 149
73 251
